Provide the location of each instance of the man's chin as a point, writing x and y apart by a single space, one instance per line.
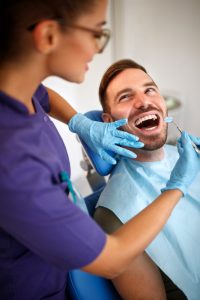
154 144
152 147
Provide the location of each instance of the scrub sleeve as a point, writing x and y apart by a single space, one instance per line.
42 233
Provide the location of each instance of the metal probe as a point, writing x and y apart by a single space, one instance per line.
170 120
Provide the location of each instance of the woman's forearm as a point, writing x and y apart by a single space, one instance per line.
60 109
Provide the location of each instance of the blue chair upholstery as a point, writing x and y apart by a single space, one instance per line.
84 286
92 199
101 166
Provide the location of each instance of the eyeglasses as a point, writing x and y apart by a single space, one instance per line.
102 36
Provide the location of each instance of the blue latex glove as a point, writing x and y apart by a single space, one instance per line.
187 165
195 139
101 137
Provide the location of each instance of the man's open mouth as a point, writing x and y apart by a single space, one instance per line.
148 122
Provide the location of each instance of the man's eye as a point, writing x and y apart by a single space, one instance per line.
150 90
124 97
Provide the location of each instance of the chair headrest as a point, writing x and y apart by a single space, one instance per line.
102 167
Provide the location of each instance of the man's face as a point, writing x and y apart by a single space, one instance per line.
132 94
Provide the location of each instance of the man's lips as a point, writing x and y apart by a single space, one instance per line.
154 118
147 123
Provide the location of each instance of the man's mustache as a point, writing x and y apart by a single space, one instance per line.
143 110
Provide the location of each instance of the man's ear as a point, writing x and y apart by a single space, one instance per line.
45 36
107 118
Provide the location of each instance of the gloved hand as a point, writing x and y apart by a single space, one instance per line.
101 137
195 139
187 166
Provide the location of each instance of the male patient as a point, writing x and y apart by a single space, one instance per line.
127 91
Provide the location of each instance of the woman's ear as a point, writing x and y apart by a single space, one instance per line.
45 36
107 117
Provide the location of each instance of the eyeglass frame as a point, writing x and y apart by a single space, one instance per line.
99 33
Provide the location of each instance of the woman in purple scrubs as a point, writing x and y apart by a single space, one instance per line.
42 233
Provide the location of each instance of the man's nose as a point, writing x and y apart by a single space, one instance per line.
141 101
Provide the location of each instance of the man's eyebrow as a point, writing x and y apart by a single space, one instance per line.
150 83
126 90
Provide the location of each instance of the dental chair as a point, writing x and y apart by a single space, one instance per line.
82 285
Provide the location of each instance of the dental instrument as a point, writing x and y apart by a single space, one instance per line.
171 120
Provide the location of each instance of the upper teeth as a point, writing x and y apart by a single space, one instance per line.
140 120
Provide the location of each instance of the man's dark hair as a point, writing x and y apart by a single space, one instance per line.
17 15
111 73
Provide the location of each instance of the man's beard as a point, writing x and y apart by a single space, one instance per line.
154 143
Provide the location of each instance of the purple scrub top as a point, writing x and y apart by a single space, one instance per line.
42 233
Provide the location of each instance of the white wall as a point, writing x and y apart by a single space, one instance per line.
164 36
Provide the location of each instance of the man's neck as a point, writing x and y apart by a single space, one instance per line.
149 156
